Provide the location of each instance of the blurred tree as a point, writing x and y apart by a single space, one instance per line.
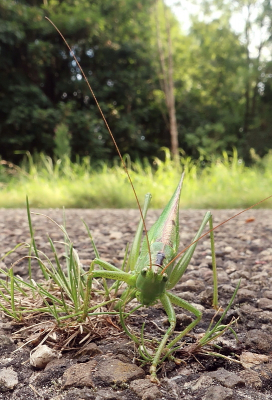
166 74
215 88
254 34
220 79
62 138
41 85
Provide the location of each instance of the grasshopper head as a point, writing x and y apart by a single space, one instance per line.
150 284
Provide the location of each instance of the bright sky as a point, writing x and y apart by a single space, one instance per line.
182 11
183 8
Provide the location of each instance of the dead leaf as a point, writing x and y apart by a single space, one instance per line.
250 219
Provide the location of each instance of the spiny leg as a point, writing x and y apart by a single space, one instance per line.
110 272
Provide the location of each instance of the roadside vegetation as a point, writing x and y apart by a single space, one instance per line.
219 182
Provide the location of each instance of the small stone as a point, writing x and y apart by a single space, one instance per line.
226 289
104 394
199 307
244 237
266 252
257 242
244 294
265 317
115 371
91 350
265 304
235 275
206 297
249 359
245 274
115 235
123 358
145 389
268 294
79 375
261 276
58 364
204 381
222 276
123 347
192 285
5 341
42 356
8 379
227 379
230 266
228 249
203 265
207 274
188 296
218 393
248 309
78 394
183 320
258 340
251 378
264 372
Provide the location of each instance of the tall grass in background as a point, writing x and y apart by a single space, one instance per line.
223 182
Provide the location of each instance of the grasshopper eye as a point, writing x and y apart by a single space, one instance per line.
144 271
165 277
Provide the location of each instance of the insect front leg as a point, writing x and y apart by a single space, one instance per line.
110 272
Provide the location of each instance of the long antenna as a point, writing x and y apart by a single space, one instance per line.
211 230
111 134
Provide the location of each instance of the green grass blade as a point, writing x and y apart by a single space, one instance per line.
96 252
33 240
